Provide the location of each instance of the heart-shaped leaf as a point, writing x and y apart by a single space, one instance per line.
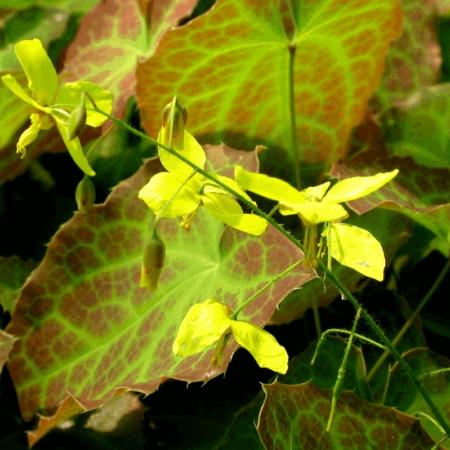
87 328
329 52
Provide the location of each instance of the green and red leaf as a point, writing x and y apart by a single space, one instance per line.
294 416
242 49
86 328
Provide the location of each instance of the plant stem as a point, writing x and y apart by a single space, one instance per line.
410 321
335 280
293 115
341 372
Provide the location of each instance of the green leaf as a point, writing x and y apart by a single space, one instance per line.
420 127
262 346
85 325
69 96
202 326
295 417
402 394
245 54
357 187
41 74
109 56
228 210
74 147
414 60
13 272
356 248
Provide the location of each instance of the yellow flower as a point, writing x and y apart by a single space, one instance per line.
53 103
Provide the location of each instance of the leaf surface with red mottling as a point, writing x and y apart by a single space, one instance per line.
231 69
294 416
113 36
87 328
414 60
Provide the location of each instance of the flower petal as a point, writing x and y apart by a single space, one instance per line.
38 123
41 74
74 147
269 187
203 325
356 248
262 345
316 212
191 150
357 187
69 98
13 85
170 195
228 211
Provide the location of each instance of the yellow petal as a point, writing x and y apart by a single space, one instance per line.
41 74
316 192
74 147
13 85
69 96
316 212
228 211
191 150
170 195
202 326
357 187
356 248
262 345
269 187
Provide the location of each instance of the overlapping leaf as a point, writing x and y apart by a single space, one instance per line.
113 36
13 272
420 127
87 328
295 417
231 68
6 345
427 366
418 192
414 60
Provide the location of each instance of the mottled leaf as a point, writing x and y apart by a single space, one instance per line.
419 192
242 49
13 272
294 416
420 127
414 60
87 328
112 37
6 345
403 394
389 228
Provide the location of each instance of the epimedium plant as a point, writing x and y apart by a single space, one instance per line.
180 266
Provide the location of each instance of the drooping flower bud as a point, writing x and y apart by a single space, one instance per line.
85 195
174 118
77 118
152 263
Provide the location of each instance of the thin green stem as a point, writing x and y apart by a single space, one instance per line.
341 372
342 331
434 373
410 320
335 280
293 115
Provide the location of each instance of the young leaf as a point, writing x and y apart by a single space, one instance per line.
356 248
262 345
41 74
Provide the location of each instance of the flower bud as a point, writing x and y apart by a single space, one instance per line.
77 118
152 263
174 118
85 195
